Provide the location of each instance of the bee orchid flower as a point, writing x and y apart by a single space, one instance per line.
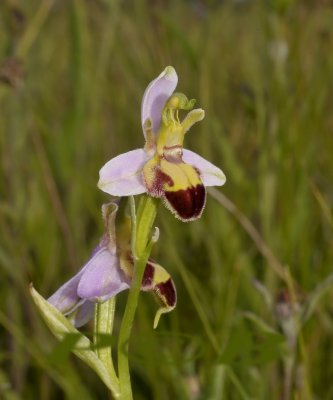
108 272
163 168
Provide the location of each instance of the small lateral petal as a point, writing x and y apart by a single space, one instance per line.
209 173
155 96
122 176
109 213
102 278
193 117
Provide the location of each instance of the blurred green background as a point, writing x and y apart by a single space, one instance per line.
254 274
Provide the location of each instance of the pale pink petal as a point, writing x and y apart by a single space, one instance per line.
84 314
155 96
122 176
209 173
102 278
66 299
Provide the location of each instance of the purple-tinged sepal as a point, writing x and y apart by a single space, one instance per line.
102 278
122 176
155 97
83 314
210 174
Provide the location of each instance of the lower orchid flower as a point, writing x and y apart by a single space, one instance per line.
108 272
163 168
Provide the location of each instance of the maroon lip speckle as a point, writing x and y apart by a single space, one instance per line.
148 276
156 189
168 291
187 204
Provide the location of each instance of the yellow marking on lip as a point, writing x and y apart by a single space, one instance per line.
160 274
183 175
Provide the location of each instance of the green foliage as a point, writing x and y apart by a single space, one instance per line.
71 338
72 75
249 348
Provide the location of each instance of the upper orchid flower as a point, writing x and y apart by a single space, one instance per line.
163 168
110 271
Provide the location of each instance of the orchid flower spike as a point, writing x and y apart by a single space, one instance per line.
163 168
110 271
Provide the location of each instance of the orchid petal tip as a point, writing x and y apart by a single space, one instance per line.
170 73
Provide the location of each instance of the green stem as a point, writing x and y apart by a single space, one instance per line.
104 316
145 219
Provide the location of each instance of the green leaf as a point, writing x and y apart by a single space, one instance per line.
61 352
80 345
